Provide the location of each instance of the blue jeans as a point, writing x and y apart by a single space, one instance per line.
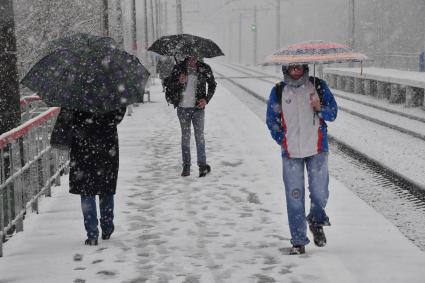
106 205
318 181
195 116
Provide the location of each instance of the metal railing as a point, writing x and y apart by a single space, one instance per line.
31 106
29 167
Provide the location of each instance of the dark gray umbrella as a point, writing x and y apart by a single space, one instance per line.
87 73
186 45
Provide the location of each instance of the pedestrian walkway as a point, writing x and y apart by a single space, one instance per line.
230 226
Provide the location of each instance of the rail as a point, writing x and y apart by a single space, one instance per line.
29 167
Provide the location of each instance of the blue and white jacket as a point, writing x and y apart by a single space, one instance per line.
294 125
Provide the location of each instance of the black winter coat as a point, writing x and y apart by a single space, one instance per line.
174 88
94 155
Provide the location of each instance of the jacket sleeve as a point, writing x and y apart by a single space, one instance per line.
274 118
329 109
211 83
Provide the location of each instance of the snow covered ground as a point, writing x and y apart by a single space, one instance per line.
228 227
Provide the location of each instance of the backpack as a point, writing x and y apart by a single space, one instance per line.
314 80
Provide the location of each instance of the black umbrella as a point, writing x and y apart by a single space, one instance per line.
87 73
186 45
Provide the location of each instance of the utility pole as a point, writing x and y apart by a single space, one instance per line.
165 8
351 24
278 24
145 19
179 16
255 36
133 27
157 21
152 22
240 40
105 18
10 113
120 31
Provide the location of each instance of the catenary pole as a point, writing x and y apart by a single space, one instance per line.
152 21
278 24
351 24
105 18
134 27
255 36
240 40
179 16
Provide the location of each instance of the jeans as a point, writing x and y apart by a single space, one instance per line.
106 205
318 181
195 116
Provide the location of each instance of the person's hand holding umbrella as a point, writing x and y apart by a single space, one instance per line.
315 101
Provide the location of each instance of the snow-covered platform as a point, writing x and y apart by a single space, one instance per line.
230 226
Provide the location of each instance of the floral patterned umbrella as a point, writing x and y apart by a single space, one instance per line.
314 52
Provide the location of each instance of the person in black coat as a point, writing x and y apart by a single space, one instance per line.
186 89
94 162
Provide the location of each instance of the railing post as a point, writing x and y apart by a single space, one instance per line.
367 87
349 84
411 97
358 86
380 86
340 82
395 96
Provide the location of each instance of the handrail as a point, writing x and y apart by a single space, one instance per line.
28 99
27 126
29 167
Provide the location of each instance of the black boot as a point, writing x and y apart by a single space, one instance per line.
297 250
318 234
91 242
204 169
186 170
107 236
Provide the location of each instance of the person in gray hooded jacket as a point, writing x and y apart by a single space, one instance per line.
296 113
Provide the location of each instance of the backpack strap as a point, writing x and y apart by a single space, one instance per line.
279 90
314 80
318 86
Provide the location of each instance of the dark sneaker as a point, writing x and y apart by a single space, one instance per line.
186 170
297 250
91 242
318 235
107 236
204 170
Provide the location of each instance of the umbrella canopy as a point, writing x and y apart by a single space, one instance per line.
87 73
186 45
314 52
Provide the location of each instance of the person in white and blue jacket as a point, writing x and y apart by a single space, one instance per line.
296 113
